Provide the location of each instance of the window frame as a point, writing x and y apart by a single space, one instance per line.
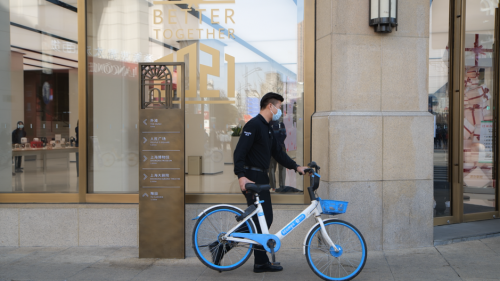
84 197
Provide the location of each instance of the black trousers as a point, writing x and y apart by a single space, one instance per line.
259 253
281 172
18 161
77 165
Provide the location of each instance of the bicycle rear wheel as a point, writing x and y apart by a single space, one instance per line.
345 264
209 246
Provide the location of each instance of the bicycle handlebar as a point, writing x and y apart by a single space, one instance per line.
309 170
315 177
313 167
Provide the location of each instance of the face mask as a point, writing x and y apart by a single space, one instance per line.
20 126
276 116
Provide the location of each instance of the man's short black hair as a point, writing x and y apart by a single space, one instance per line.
270 98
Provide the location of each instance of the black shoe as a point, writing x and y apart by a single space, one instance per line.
217 249
19 171
267 267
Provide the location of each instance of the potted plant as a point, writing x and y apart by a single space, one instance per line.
235 136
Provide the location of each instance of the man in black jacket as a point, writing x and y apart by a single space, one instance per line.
251 163
17 134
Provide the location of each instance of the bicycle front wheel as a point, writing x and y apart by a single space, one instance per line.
344 264
208 242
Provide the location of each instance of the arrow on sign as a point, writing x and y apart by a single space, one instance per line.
145 195
145 123
145 139
145 177
145 158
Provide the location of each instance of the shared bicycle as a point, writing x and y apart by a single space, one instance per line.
224 235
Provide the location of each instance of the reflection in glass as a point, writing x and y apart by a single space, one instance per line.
439 103
44 91
479 183
231 61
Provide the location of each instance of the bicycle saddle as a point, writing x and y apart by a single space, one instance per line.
257 187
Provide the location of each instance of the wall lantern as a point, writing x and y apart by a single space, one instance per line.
384 15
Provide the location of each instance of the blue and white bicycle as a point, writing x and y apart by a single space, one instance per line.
224 236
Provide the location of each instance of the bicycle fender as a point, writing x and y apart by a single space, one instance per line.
207 210
310 230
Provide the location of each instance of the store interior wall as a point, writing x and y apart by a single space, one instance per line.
115 107
17 88
5 102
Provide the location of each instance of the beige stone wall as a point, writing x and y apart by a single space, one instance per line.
371 133
108 225
69 225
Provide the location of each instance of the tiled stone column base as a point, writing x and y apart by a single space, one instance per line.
65 225
381 163
390 214
107 225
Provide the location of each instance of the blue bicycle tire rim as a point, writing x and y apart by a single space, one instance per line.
249 252
363 257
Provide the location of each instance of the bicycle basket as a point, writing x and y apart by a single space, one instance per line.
332 207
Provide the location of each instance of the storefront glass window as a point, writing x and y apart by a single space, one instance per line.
40 108
479 124
235 51
439 103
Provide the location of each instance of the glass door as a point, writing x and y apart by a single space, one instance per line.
439 104
479 106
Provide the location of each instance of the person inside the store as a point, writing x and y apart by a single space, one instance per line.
76 153
279 132
17 134
252 157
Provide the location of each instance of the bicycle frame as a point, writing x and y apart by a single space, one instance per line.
313 209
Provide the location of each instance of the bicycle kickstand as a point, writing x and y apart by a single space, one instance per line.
271 244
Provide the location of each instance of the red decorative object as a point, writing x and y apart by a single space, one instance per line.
478 49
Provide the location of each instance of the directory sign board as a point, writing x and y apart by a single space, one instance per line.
161 154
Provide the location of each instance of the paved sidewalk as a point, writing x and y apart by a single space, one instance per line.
471 260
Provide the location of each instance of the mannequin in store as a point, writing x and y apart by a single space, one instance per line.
17 134
279 132
76 153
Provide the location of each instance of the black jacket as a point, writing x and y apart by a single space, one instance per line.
279 132
17 134
76 140
256 146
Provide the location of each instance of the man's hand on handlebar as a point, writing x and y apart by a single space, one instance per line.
302 170
243 181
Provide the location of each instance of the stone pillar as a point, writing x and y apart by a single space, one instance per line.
5 100
371 133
